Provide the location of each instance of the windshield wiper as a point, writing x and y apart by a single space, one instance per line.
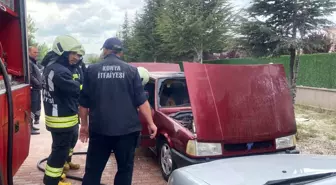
301 180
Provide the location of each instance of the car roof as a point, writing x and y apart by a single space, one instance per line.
157 75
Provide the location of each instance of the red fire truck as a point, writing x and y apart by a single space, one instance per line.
14 89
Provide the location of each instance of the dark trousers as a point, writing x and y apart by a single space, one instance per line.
99 151
35 104
57 158
73 142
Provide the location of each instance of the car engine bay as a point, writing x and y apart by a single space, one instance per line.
185 118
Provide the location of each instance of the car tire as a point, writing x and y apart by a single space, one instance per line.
167 165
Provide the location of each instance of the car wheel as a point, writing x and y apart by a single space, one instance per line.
167 165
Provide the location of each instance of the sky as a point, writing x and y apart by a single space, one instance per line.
90 21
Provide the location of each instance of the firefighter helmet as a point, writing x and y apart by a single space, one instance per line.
144 75
66 43
81 51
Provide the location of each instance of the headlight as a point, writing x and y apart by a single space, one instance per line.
285 142
203 149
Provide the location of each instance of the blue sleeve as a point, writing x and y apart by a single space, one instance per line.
84 97
139 92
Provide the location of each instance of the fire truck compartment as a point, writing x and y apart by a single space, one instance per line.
21 95
12 49
13 53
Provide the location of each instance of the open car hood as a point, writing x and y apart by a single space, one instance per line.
240 103
158 67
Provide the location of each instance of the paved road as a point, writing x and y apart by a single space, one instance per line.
146 170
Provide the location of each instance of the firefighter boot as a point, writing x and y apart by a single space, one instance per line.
63 177
66 167
64 183
74 166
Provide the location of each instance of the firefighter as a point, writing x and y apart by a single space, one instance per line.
78 76
112 91
36 87
60 98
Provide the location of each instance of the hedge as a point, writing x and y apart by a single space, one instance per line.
316 70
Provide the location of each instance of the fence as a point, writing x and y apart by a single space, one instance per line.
316 97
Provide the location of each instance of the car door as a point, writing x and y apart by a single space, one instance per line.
145 139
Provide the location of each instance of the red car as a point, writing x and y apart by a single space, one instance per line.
216 111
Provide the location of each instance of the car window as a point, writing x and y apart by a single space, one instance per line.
174 93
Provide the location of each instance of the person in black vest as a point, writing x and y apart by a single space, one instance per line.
60 98
112 94
79 77
36 86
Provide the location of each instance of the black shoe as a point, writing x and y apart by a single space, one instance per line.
35 128
35 132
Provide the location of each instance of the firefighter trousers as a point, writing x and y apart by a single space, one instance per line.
57 158
99 151
35 104
73 142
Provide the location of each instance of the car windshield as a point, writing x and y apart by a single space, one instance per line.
174 93
302 180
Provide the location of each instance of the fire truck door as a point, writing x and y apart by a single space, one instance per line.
21 102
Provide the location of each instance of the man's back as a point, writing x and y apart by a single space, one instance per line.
113 91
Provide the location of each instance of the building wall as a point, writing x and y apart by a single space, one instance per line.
316 97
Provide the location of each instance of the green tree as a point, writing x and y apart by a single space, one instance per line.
125 37
43 50
145 42
317 43
258 38
31 29
135 50
291 20
118 35
198 27
93 59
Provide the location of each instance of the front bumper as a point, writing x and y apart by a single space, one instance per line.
181 160
292 151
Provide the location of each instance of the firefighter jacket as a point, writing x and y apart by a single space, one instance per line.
79 73
60 96
50 58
